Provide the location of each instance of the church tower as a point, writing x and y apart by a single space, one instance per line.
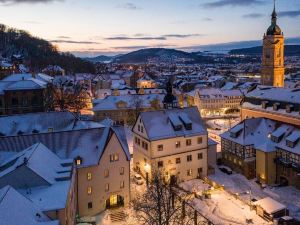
272 73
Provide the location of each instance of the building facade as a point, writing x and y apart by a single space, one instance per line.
172 141
264 149
217 102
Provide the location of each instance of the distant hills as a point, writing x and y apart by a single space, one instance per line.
154 55
290 50
38 53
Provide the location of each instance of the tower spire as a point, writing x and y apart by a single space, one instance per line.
274 14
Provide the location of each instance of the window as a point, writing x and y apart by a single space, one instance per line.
78 160
200 140
139 128
189 158
145 145
106 187
177 160
122 184
90 205
136 140
89 176
188 142
14 101
177 144
189 172
200 155
160 164
160 147
114 157
142 129
106 173
122 171
200 170
89 190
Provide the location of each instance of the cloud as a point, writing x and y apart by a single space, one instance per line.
73 42
294 13
121 38
181 35
222 3
253 15
130 47
129 6
63 37
161 37
12 2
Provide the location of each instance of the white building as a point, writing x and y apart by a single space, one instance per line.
173 141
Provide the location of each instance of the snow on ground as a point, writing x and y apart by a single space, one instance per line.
237 183
222 208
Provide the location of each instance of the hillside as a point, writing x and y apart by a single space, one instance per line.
290 50
100 58
38 53
160 55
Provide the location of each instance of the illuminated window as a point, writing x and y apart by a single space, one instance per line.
89 176
189 172
106 173
89 190
114 157
78 161
177 144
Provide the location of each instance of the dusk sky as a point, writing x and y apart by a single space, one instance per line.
92 27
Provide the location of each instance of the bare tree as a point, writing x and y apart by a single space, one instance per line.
161 205
66 94
136 107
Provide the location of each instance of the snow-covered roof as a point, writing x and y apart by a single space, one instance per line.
158 124
131 101
216 93
89 144
275 94
35 158
270 205
43 122
259 133
16 209
18 77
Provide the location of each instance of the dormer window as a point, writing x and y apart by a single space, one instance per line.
78 160
290 144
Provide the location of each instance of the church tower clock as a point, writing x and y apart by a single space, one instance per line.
272 73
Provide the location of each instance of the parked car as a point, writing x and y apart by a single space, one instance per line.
138 179
225 170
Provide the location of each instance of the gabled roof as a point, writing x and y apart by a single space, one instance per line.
16 210
158 124
35 158
41 123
